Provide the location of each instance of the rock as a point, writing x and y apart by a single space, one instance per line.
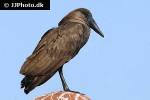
63 95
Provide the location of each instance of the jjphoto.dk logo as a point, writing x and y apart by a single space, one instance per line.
34 5
39 4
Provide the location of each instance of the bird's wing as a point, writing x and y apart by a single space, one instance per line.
54 49
43 40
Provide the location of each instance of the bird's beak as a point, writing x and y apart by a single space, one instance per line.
95 27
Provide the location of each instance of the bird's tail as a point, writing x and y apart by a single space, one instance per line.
30 82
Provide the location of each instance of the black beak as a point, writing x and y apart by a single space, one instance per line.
95 27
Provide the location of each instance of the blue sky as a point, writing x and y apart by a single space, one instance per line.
116 67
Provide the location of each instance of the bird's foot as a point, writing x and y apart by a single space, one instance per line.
68 90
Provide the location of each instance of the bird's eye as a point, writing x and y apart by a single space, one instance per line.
85 13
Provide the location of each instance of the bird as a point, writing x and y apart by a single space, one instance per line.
57 47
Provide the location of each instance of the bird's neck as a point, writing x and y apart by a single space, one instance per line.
77 21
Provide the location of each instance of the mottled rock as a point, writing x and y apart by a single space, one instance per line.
63 95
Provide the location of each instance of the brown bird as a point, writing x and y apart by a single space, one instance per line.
56 47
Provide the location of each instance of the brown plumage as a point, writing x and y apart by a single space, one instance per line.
56 47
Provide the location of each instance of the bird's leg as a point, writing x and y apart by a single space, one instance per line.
65 86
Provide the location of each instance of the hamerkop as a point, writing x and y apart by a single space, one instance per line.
56 47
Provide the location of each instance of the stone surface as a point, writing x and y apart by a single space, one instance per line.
63 95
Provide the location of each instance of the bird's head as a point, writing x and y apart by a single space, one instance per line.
83 16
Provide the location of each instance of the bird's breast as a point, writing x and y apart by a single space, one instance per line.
85 35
